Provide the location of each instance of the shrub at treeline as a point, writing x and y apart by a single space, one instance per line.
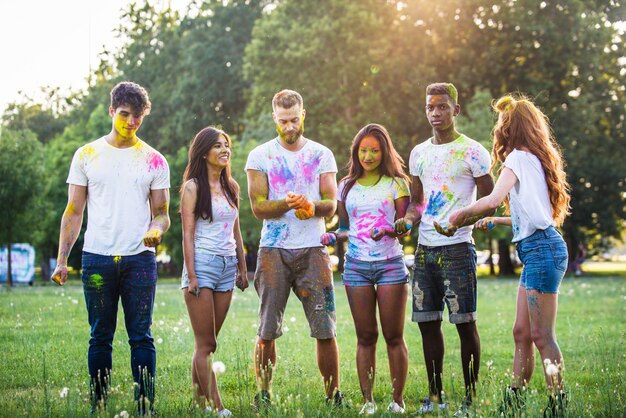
354 61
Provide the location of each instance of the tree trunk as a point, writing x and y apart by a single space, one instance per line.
504 263
340 255
45 264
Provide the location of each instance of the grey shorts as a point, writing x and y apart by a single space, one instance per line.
308 272
445 275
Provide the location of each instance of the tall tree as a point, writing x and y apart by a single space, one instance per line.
20 184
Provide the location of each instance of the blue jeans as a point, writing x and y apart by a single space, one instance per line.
106 280
544 255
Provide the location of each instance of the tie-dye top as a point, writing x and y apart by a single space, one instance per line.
373 207
118 183
447 172
529 199
217 236
298 172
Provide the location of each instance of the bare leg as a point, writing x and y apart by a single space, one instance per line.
328 363
264 362
221 303
524 359
362 300
433 346
392 305
470 356
202 316
542 308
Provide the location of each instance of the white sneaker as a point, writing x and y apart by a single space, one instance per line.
395 408
428 407
369 408
224 413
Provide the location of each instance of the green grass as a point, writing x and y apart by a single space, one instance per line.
44 335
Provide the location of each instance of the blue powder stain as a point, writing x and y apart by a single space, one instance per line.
435 203
329 299
275 232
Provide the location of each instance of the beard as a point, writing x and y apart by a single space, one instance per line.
292 137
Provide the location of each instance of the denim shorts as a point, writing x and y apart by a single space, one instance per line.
370 273
544 255
214 271
445 275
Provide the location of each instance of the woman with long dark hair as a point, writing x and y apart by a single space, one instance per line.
371 197
213 252
532 183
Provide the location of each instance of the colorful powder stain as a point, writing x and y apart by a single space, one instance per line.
155 162
279 174
87 152
117 259
311 168
275 232
435 203
329 300
97 281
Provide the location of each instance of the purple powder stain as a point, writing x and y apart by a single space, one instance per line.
311 168
280 174
155 162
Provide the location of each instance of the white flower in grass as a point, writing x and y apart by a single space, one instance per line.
175 329
286 329
292 319
552 370
75 301
218 367
160 341
124 414
63 393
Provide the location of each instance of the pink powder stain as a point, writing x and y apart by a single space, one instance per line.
310 169
155 162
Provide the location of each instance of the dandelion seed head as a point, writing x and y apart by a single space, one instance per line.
292 319
552 369
63 393
175 329
160 341
219 367
124 414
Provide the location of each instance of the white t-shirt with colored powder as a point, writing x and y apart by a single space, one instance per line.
373 207
217 236
118 181
448 173
529 199
298 172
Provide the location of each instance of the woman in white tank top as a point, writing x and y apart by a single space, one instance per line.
213 252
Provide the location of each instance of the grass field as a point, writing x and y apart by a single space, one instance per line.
44 335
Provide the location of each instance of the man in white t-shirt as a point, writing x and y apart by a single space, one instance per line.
124 183
446 170
292 186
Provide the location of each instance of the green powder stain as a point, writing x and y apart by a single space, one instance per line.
97 281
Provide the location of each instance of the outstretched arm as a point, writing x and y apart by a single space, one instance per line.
71 222
415 209
486 206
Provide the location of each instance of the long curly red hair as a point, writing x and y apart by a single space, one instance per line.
521 124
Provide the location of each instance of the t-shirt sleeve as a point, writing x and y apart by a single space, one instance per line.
340 187
328 163
413 163
255 160
513 162
399 188
481 163
162 177
77 174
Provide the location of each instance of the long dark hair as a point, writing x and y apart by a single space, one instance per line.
197 170
392 165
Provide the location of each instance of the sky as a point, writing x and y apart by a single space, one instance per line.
55 42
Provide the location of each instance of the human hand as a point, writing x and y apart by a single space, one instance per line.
194 287
401 226
241 280
294 201
378 233
448 231
329 238
485 224
59 275
457 218
152 238
306 210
